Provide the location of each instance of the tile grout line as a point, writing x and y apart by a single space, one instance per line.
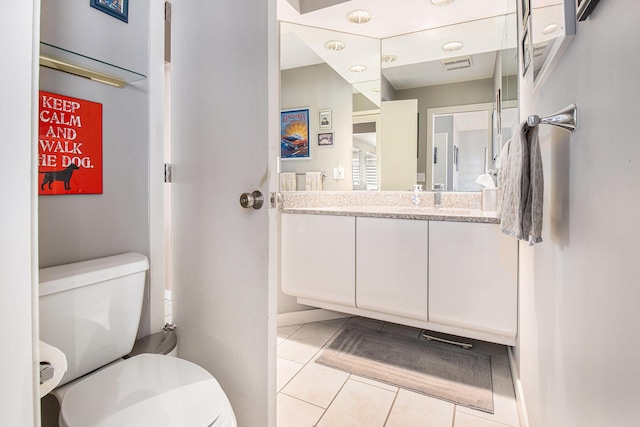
386 420
333 400
290 379
311 360
300 400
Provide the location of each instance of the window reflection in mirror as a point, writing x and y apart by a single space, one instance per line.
365 157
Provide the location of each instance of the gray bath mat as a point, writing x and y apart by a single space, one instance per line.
439 370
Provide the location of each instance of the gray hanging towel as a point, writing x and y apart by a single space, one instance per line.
521 186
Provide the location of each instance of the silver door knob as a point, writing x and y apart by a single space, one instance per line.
253 200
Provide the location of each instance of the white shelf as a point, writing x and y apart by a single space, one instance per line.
84 66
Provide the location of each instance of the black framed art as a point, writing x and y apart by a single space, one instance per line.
116 8
584 8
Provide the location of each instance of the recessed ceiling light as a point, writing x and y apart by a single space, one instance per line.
441 2
389 57
357 68
359 16
334 45
452 46
550 28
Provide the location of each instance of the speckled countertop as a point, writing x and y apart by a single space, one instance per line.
459 207
400 212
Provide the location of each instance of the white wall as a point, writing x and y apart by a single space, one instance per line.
578 350
79 227
319 87
18 289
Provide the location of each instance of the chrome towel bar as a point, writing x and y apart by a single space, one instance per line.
566 119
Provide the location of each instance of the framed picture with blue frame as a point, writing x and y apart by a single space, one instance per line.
116 8
294 134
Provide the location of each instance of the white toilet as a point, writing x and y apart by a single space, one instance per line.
90 310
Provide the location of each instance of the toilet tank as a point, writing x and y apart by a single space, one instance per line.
91 309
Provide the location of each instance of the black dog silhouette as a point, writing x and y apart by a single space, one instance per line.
63 175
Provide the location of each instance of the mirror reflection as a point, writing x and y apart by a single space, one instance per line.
460 143
552 28
379 79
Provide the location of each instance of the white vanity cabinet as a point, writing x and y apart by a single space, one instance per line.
318 257
473 276
391 266
454 277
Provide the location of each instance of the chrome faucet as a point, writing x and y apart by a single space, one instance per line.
437 194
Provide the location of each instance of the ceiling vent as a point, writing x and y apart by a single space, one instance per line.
458 63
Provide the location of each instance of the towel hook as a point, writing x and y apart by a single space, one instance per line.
566 119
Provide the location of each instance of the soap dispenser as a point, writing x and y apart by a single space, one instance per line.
416 194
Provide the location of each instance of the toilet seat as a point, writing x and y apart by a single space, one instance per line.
146 390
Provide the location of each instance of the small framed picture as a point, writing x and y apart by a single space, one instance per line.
584 8
325 139
116 8
324 119
526 49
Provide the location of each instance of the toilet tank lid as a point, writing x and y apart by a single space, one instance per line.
75 275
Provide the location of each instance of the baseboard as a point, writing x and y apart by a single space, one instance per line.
306 316
517 385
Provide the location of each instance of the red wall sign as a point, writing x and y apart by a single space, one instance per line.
69 145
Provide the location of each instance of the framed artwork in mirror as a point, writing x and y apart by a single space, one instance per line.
584 8
324 119
116 8
498 111
294 134
325 139
526 49
525 12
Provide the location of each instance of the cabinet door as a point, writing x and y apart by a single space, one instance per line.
473 277
318 257
391 266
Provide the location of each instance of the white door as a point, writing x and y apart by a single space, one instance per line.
397 146
224 99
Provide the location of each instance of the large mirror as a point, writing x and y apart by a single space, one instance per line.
380 78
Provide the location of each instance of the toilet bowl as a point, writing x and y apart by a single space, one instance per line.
90 310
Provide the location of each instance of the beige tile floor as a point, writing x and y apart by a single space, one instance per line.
310 394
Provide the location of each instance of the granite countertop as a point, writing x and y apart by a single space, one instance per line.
402 212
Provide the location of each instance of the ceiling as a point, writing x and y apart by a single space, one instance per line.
413 30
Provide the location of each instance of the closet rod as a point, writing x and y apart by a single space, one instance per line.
566 119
